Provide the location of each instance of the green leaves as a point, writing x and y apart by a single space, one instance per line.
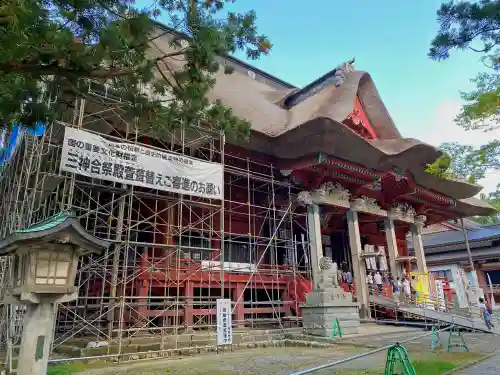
470 164
474 26
463 23
57 45
494 200
466 162
482 111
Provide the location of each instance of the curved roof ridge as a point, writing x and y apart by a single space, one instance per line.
348 83
375 109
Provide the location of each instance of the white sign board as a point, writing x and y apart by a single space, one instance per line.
224 322
214 265
91 155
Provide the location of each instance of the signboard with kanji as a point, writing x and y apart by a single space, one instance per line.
91 155
224 322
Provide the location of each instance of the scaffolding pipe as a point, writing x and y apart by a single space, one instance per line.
138 223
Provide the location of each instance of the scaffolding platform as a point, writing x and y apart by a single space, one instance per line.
429 315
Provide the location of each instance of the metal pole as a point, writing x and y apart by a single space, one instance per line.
467 246
116 257
221 257
471 264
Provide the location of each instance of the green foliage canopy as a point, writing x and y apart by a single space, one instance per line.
51 47
470 163
466 162
474 26
494 200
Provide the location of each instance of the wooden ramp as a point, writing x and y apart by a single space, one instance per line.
438 317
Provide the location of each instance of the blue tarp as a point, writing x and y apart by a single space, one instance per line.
15 137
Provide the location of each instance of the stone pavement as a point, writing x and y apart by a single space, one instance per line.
489 367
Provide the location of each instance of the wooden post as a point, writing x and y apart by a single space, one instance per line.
358 266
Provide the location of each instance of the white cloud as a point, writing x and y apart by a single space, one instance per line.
442 128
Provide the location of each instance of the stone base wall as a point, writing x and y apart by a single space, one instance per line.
324 307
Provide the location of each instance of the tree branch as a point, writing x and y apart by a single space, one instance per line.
176 87
40 70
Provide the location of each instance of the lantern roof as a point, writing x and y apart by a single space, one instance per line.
63 228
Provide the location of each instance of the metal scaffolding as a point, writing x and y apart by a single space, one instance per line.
172 255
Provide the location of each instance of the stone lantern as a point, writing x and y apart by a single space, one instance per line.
45 260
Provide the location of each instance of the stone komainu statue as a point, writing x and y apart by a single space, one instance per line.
328 274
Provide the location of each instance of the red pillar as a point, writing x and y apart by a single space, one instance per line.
238 295
188 307
143 287
143 300
168 252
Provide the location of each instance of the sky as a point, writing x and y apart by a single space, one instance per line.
390 40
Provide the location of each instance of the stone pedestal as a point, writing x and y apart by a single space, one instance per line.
36 340
323 306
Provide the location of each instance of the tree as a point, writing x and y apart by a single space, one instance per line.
59 44
494 200
466 162
471 164
475 26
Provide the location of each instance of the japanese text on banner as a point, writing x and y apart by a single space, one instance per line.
90 155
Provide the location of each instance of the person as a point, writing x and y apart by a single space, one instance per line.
407 287
486 314
399 283
414 291
369 281
348 279
378 280
395 286
488 306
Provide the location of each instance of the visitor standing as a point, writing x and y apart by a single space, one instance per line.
395 286
407 287
348 279
399 283
369 281
378 280
486 314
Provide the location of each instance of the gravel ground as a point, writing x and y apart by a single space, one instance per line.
285 360
488 367
279 361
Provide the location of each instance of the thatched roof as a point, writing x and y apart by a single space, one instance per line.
315 125
290 123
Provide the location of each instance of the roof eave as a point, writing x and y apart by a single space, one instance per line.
70 225
229 57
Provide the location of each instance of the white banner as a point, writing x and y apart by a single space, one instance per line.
93 156
224 322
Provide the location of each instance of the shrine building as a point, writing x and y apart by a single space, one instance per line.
325 172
